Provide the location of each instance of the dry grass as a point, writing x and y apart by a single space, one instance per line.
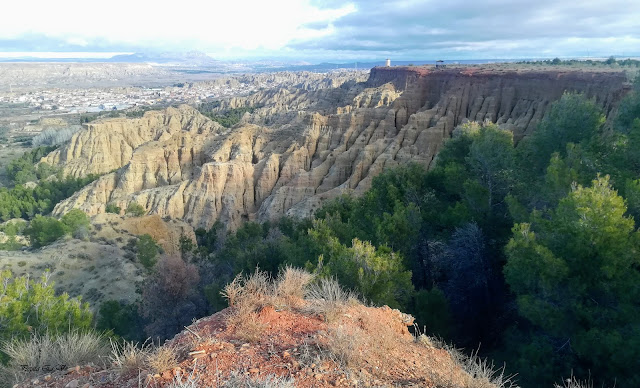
247 295
346 345
162 359
232 292
573 382
187 381
482 372
328 298
43 352
256 289
246 323
237 380
129 356
291 285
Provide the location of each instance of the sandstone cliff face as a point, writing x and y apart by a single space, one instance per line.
303 146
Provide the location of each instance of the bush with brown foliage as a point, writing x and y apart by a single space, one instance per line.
169 297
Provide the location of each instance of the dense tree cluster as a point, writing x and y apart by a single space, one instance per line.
227 119
25 202
25 168
611 61
44 230
37 188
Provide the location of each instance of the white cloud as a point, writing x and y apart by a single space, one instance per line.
207 25
327 29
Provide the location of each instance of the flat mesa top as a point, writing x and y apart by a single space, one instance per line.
519 70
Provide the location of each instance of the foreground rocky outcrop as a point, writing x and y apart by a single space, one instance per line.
303 145
274 336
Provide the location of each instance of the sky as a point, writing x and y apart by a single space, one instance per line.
324 30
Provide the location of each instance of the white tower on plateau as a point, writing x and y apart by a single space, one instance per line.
388 62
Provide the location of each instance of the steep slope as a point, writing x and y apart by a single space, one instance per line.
103 266
304 145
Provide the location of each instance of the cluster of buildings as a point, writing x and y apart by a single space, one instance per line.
101 99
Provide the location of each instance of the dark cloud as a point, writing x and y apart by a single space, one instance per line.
491 27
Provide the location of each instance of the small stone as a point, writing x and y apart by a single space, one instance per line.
47 378
156 376
253 371
72 384
318 376
35 382
286 354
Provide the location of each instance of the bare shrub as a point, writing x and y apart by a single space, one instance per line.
169 297
291 285
328 298
162 359
345 344
258 288
248 294
233 290
129 356
245 321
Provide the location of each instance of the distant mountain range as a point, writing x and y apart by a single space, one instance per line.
190 58
196 61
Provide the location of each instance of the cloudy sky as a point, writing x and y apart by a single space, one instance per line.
318 30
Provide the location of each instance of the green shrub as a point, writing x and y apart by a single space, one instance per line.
112 208
121 319
376 273
31 306
44 230
147 251
136 209
76 222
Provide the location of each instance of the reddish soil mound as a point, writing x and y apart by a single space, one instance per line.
353 345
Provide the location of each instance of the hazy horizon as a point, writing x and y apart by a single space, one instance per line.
328 30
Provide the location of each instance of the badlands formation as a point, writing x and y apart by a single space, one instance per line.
305 142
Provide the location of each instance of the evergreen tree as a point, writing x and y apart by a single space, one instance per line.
577 281
29 306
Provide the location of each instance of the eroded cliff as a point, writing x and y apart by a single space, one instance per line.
303 145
